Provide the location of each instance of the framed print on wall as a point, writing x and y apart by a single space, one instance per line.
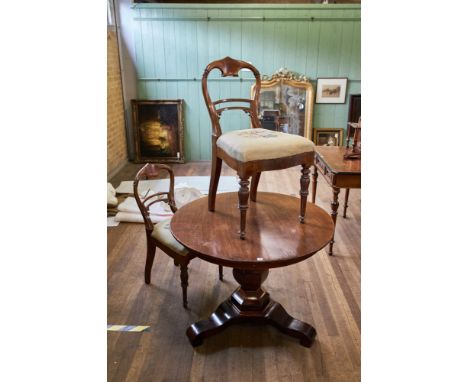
159 131
331 90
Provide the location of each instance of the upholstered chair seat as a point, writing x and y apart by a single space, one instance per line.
162 233
261 144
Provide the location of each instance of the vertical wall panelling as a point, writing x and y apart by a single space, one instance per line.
235 118
204 122
301 46
355 61
175 42
159 60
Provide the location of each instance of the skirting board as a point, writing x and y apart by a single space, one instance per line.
114 172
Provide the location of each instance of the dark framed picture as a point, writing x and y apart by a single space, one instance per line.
159 130
331 90
328 137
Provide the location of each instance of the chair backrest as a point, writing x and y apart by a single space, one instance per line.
151 171
230 67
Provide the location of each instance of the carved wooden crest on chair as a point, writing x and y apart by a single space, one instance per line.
250 151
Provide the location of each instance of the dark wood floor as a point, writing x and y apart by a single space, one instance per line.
327 295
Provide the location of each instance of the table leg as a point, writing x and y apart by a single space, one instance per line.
314 183
304 192
250 303
346 202
334 213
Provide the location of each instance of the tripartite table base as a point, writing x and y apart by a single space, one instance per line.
250 303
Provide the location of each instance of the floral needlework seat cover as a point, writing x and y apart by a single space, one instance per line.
162 233
261 144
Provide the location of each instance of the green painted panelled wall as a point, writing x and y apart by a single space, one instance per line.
174 43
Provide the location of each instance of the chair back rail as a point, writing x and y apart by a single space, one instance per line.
246 110
247 100
230 67
147 172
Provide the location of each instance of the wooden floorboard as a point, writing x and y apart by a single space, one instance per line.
326 295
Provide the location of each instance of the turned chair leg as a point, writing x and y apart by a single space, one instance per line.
150 253
220 270
254 185
184 282
305 182
243 203
216 165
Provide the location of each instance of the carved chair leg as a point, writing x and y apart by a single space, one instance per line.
305 182
184 281
216 165
346 202
243 203
220 270
176 263
254 185
150 253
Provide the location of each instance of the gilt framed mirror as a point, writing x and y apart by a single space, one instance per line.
286 103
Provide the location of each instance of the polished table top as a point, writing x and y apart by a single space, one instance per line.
275 237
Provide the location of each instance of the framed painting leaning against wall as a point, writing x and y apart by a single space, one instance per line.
158 130
328 137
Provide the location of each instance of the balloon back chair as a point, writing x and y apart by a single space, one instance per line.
159 235
250 151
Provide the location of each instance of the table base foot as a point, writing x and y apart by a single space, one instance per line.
254 306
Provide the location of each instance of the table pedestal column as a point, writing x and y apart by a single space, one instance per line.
250 303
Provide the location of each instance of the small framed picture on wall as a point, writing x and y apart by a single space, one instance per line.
331 90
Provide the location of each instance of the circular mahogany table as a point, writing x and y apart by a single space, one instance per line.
275 238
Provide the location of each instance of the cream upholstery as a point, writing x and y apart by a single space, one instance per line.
162 233
259 144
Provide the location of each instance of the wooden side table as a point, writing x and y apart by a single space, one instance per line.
339 173
276 238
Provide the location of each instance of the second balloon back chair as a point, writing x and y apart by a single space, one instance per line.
159 235
250 151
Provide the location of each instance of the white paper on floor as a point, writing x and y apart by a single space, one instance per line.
111 222
226 184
